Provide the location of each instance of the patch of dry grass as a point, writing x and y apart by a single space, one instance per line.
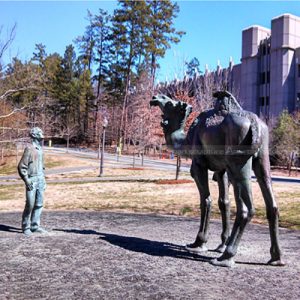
9 166
177 199
149 197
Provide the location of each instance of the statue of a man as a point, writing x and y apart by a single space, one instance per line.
31 169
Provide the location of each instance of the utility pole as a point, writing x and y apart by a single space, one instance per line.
104 125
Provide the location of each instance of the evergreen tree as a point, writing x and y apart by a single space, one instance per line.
128 23
101 26
193 67
161 30
40 54
69 61
86 44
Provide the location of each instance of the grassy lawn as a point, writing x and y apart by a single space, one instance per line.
147 196
9 166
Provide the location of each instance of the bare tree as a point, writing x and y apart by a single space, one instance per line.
6 42
141 124
198 89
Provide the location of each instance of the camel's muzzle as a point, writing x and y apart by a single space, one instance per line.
154 102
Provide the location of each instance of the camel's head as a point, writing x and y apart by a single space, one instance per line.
174 114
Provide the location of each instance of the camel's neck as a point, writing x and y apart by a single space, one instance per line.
176 139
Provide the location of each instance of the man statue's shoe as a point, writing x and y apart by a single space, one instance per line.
39 230
27 232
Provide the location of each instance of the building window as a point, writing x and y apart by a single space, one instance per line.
268 77
264 50
262 78
261 101
298 70
267 101
298 101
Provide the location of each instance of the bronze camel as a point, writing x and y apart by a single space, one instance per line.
226 140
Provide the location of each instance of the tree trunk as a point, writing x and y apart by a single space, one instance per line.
68 142
178 164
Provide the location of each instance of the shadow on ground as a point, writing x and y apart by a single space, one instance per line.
9 228
149 247
145 246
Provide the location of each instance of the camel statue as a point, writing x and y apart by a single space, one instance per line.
229 141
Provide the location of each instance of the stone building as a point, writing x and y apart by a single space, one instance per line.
270 67
267 80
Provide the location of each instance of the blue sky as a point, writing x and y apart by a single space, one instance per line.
213 28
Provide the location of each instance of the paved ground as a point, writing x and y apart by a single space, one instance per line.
104 255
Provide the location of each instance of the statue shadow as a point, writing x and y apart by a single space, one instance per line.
9 228
140 245
154 248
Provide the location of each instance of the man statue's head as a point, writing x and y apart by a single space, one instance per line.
225 101
36 133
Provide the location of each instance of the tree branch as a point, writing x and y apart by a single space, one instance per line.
11 91
12 112
9 40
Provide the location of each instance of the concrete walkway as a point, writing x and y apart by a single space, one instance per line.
105 255
111 162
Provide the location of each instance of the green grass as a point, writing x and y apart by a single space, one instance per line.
9 167
290 215
53 164
186 210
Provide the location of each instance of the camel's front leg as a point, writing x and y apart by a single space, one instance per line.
241 180
261 167
224 206
200 176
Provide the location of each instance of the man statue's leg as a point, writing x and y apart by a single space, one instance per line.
37 211
26 222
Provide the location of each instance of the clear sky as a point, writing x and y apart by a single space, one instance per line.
213 28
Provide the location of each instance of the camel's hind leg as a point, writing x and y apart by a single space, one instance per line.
261 168
224 206
240 175
200 176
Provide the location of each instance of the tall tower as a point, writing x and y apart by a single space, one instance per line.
284 41
250 69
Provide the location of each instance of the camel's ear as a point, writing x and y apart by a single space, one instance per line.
181 105
190 109
185 108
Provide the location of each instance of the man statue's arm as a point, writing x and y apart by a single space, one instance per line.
23 168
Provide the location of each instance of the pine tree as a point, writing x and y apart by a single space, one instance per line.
86 44
102 33
161 30
193 67
128 23
40 54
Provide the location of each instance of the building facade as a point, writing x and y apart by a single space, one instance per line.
270 67
267 81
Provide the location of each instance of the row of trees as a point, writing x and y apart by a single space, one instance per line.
112 75
109 72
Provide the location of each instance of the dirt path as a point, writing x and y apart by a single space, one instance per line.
105 255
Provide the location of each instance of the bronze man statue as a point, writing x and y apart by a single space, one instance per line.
31 169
